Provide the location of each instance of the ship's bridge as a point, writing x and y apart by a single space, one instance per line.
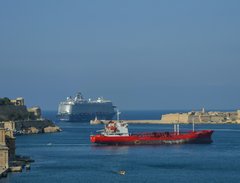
79 97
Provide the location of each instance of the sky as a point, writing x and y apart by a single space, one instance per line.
141 54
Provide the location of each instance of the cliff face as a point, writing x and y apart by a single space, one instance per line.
12 112
26 121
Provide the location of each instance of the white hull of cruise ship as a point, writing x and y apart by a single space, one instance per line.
79 109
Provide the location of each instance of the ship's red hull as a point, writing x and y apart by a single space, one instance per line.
203 136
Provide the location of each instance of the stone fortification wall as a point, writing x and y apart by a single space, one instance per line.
3 151
234 115
2 137
10 143
217 117
181 117
204 118
194 118
20 120
12 112
35 113
3 158
238 116
9 127
170 117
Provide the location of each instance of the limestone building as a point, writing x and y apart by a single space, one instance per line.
3 151
238 116
34 113
9 127
18 101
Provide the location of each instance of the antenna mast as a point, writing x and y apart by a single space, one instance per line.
178 125
193 125
118 114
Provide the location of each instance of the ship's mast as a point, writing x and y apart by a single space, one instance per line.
193 125
174 127
177 126
118 114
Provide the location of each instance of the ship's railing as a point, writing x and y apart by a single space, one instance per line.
156 134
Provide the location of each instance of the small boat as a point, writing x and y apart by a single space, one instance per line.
122 172
116 133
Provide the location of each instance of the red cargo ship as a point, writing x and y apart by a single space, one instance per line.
116 133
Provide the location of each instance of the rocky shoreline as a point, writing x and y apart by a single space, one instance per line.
35 127
16 119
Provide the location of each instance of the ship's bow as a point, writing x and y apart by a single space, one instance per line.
204 137
93 138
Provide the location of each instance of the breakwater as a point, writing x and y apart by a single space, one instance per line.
172 122
164 122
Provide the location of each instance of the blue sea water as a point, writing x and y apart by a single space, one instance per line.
70 157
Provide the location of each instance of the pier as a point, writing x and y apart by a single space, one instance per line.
147 122
171 122
95 122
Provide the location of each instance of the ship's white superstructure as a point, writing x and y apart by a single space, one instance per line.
80 109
